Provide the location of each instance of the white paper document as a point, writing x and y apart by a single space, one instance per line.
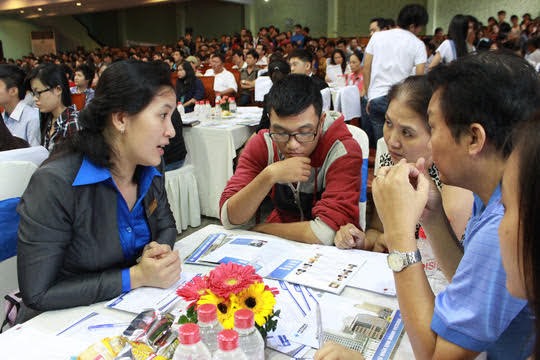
137 300
317 266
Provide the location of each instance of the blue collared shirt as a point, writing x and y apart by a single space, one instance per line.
476 311
133 228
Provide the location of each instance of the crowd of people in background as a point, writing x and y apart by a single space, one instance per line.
519 36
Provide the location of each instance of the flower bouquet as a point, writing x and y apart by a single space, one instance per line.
232 287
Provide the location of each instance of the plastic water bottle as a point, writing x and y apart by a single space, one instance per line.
207 110
218 101
209 326
251 341
180 108
228 347
191 347
232 105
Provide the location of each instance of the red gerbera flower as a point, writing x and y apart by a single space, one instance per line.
193 290
231 278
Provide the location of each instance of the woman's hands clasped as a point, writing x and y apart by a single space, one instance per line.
159 266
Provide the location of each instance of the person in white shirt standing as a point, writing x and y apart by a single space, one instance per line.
224 81
390 57
21 120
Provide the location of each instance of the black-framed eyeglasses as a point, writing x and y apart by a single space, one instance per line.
301 137
37 93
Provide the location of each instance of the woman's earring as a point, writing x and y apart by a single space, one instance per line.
122 131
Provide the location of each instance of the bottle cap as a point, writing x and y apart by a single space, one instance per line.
227 340
243 319
188 334
207 313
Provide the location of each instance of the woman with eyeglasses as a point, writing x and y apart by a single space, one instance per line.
59 117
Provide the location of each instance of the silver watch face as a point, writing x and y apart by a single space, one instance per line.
395 261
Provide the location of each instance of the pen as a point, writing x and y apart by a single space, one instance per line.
105 326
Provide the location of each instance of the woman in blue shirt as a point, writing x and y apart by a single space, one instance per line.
95 220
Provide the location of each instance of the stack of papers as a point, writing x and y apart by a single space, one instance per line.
317 266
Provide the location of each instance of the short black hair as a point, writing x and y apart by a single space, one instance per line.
13 76
496 89
253 53
378 20
412 14
87 71
294 94
501 12
239 53
302 54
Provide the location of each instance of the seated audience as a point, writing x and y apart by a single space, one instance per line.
51 91
407 136
308 162
338 67
224 81
84 74
194 62
76 246
355 77
248 75
477 102
189 88
301 61
21 119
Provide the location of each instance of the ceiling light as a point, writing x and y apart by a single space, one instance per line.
39 9
21 11
78 4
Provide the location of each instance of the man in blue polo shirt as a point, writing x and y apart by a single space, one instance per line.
471 114
477 102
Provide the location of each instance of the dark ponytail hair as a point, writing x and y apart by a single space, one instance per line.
457 32
125 86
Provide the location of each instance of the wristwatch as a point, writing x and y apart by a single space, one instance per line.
398 261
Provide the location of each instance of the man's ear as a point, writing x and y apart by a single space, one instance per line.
322 118
119 121
476 139
13 91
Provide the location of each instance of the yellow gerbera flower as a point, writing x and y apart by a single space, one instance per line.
226 308
259 300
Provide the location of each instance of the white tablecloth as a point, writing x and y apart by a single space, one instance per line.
14 343
212 151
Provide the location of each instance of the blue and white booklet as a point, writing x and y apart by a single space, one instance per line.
318 266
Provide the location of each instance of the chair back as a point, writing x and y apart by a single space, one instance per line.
326 99
361 137
208 83
263 84
14 177
349 102
34 154
79 100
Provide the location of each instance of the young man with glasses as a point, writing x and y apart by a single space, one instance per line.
307 162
